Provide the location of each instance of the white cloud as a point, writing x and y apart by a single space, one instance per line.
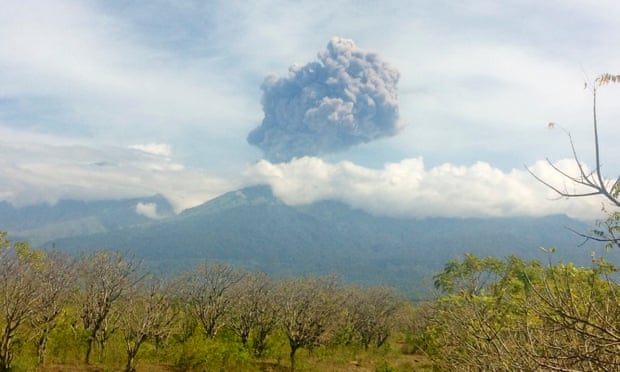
34 173
407 188
148 210
160 149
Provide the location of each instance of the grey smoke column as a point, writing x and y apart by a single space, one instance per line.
346 98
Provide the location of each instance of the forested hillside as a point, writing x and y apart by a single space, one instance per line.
252 229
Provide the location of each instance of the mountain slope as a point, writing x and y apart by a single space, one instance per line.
44 222
251 228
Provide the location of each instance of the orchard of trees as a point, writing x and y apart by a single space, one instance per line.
101 310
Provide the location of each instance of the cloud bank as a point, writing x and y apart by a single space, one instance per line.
407 188
346 98
45 173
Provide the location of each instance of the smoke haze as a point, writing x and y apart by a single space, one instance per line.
346 98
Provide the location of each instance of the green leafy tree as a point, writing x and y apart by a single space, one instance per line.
578 318
478 318
526 316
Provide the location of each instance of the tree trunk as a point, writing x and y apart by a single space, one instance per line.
244 338
5 349
89 349
258 342
132 351
102 342
41 347
292 357
130 362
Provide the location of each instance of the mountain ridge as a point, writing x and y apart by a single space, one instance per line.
43 222
252 229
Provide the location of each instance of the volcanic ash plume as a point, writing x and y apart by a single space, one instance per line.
346 98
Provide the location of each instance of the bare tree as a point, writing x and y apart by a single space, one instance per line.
593 183
57 275
20 292
148 314
253 311
372 313
307 308
206 292
105 277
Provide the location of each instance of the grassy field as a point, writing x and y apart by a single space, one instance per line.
389 357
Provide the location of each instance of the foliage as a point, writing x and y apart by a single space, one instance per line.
33 288
526 316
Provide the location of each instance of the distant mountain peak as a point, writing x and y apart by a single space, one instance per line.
253 195
256 192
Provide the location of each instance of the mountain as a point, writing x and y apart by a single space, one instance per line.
45 222
252 229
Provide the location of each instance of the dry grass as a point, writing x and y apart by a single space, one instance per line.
145 367
401 363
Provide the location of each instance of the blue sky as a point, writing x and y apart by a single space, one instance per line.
114 99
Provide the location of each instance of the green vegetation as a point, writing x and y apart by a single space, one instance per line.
511 314
99 312
516 315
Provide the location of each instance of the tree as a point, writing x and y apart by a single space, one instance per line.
104 278
20 292
307 308
526 317
206 293
253 311
593 183
579 318
34 288
148 314
372 313
57 275
480 314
